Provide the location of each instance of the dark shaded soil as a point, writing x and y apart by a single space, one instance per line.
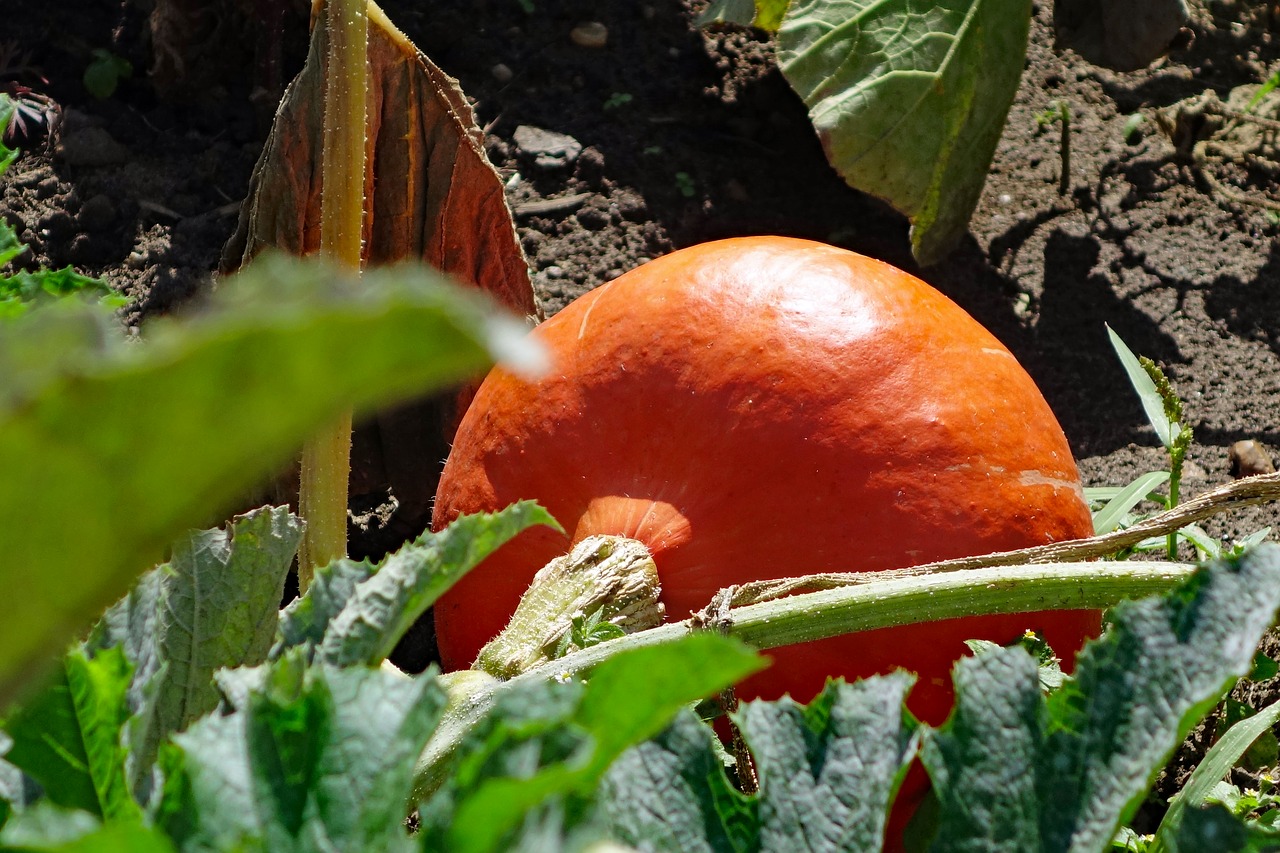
689 136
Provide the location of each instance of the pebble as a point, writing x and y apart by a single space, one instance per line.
97 213
1249 458
502 73
592 34
549 150
593 218
91 146
632 206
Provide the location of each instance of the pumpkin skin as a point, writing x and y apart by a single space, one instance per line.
767 407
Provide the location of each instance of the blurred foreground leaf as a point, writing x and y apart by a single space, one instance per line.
110 451
69 737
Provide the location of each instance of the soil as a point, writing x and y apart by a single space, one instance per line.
690 135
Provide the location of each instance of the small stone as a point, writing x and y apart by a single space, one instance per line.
502 73
98 213
91 146
590 166
553 272
85 251
1249 458
548 149
593 218
57 224
591 34
631 206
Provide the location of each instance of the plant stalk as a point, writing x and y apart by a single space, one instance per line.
326 459
827 613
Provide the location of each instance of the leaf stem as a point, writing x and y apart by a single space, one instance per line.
326 459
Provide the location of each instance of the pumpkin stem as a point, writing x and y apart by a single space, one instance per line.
605 587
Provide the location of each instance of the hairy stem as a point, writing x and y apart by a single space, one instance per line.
326 459
831 612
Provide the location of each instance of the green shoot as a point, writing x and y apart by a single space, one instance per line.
1267 88
1217 763
104 73
1164 412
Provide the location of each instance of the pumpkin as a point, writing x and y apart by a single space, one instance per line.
767 407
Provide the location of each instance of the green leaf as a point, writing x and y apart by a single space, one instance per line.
1152 402
909 99
319 759
540 753
104 72
1109 517
384 606
829 771
46 828
68 737
213 606
23 289
763 14
10 245
1264 667
671 793
110 451
7 155
1216 764
1094 746
304 620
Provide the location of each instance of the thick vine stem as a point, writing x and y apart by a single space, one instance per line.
1264 488
800 618
602 579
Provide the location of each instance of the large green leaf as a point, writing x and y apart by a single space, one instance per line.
909 98
69 736
319 759
529 769
110 451
828 773
213 606
1014 772
356 613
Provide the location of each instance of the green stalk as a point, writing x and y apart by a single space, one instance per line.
910 601
819 615
326 459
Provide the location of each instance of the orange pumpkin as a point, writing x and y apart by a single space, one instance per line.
766 407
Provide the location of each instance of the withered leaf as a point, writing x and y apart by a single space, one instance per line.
430 195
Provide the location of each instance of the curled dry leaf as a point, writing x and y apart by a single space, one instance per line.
431 195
